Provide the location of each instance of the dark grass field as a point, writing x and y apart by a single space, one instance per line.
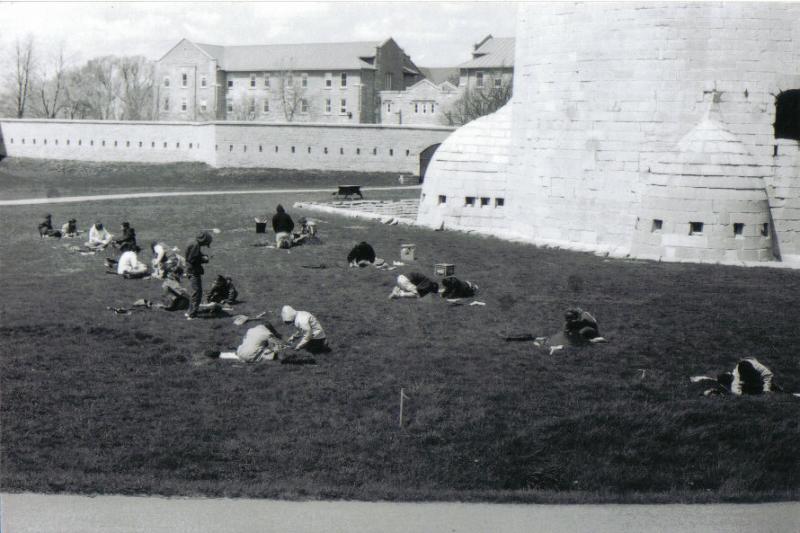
93 402
31 178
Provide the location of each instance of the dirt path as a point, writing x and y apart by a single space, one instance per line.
23 513
70 199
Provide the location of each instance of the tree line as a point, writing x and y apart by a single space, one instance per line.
44 84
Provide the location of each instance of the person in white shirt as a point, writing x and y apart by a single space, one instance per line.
166 263
99 237
749 376
259 344
312 335
130 266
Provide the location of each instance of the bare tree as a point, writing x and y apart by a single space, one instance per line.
477 102
292 95
23 73
136 87
102 88
51 85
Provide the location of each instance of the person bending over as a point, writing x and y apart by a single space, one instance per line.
166 263
260 343
308 328
414 285
361 255
282 225
195 259
99 237
452 287
580 327
223 291
749 376
129 264
70 228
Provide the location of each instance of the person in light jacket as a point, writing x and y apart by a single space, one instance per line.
99 237
308 328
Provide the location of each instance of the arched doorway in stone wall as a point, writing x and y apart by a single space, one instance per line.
425 158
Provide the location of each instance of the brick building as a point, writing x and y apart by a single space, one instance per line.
423 103
491 66
321 82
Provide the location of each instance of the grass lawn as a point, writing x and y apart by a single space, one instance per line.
32 178
93 402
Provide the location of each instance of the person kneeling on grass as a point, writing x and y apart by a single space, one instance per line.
222 291
99 237
749 376
46 228
313 338
129 265
414 285
308 232
260 343
282 225
361 255
452 287
70 228
580 327
166 263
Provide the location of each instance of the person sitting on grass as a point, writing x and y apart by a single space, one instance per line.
99 237
580 327
282 225
129 265
308 328
414 285
361 255
308 233
749 376
452 287
222 291
46 228
128 239
70 228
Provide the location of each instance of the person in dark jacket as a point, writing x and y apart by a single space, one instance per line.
361 255
455 288
128 239
579 326
282 225
749 376
195 259
414 285
223 291
46 227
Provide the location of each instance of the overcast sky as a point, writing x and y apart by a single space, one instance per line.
434 34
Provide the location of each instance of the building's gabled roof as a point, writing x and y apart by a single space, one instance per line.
306 56
439 75
492 52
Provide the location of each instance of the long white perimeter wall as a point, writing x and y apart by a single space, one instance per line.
373 148
603 92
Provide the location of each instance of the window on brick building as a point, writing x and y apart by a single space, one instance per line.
328 80
229 106
304 80
498 83
389 107
433 108
166 103
266 80
203 106
230 83
203 81
327 106
416 107
183 104
184 79
253 81
343 107
343 80
787 115
266 106
479 79
388 81
304 106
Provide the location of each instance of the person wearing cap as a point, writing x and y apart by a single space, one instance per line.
128 239
70 228
307 326
414 285
99 237
129 264
195 259
282 225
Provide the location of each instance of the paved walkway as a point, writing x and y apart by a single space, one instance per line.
29 513
124 196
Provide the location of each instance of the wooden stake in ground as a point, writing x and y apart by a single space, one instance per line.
402 397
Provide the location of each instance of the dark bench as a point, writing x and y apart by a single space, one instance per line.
346 191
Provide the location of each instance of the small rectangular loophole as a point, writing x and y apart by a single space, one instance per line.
469 201
738 229
695 228
442 199
499 202
657 225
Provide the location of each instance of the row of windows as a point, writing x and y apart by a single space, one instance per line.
103 143
696 228
293 149
472 201
288 80
302 105
479 81
423 107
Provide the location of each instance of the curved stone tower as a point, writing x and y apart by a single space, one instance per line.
602 90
